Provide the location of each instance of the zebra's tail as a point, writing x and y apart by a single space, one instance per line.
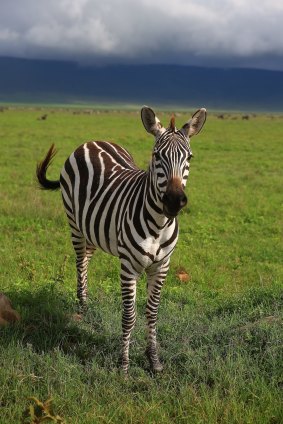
41 170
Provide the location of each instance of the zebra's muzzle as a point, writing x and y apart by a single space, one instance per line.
172 212
174 199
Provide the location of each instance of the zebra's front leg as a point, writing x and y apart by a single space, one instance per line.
155 280
128 287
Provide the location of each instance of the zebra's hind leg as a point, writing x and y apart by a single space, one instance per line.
128 287
84 252
155 280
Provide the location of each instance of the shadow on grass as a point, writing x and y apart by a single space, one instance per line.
49 321
242 330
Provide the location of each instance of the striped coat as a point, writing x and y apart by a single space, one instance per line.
127 212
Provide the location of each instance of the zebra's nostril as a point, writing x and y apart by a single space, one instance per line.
183 201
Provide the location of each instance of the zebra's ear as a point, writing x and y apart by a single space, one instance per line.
150 121
194 125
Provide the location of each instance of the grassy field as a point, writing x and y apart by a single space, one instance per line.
220 332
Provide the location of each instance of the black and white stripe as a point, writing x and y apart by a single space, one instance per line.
127 212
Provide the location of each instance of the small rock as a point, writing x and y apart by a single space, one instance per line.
183 276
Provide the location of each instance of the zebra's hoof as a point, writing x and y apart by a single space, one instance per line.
155 365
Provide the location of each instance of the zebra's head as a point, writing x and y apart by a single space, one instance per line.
171 158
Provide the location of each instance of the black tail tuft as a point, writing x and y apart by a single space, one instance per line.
41 170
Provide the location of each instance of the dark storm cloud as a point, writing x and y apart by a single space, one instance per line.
231 32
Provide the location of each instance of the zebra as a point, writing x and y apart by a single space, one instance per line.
127 212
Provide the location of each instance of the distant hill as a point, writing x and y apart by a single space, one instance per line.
44 81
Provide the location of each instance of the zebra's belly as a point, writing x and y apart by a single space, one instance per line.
110 247
100 234
100 230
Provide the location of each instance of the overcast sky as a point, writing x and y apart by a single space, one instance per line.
206 32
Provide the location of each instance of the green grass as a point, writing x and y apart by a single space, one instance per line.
220 333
